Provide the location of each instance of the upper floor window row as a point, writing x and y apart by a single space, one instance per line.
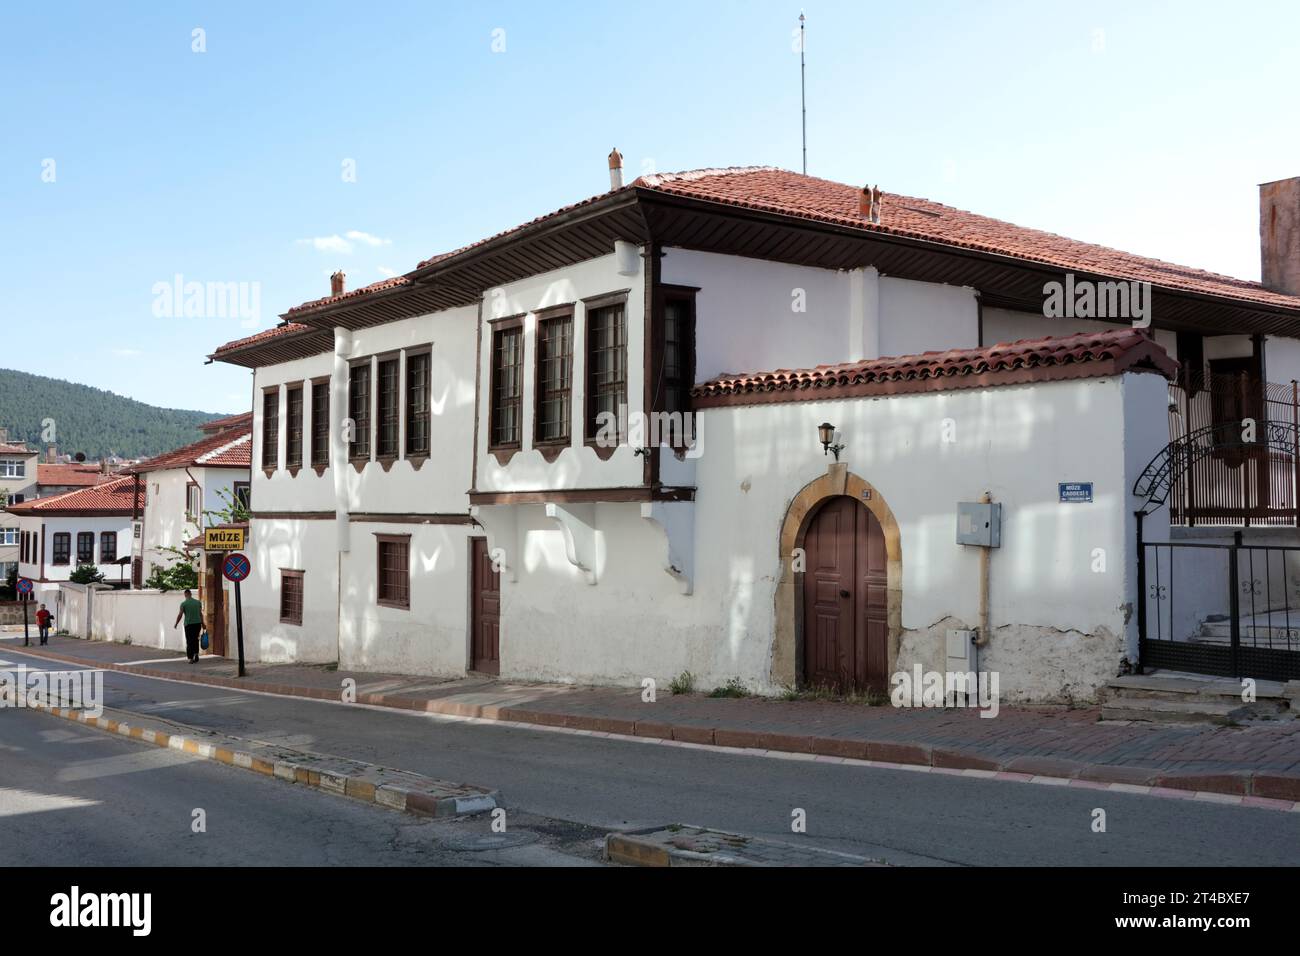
390 406
670 369
13 468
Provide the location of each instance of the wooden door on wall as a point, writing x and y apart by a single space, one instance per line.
214 607
485 602
845 598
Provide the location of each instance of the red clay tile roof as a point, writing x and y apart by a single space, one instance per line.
807 197
231 448
58 474
114 497
266 335
390 283
230 421
1087 355
7 449
782 192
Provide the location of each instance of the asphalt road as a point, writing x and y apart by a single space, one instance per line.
900 817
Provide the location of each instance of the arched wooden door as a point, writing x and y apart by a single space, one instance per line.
845 636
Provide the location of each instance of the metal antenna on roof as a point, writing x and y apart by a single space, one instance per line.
803 100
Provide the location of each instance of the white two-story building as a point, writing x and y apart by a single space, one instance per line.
746 423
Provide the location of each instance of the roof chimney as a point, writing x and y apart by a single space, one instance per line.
1279 235
52 453
869 204
615 169
336 283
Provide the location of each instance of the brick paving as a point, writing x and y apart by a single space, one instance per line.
1261 759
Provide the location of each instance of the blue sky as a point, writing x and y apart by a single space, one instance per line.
1146 126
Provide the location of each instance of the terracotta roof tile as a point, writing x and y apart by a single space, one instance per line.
231 447
266 335
1087 355
807 197
112 497
390 283
8 449
58 474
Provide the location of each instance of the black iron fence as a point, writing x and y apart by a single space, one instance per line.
1231 610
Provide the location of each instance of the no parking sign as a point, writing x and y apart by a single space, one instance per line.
235 568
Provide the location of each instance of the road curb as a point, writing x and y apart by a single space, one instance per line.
681 845
369 783
1264 788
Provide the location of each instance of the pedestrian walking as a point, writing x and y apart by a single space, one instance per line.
192 611
43 621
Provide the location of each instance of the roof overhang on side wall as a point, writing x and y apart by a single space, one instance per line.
1099 355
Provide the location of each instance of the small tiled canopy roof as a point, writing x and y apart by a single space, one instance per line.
229 448
9 449
1087 355
115 497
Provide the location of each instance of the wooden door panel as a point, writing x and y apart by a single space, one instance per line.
485 603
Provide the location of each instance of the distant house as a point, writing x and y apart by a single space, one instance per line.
183 489
17 484
54 478
87 526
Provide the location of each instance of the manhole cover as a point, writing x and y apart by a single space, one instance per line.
480 842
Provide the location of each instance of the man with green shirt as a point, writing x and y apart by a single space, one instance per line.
192 611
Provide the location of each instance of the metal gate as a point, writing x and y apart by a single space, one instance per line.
1231 610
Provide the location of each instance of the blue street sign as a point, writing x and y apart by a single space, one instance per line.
1074 492
236 567
24 585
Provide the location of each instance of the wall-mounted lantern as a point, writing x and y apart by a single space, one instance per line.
826 433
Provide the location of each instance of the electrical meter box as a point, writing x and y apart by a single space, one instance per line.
979 524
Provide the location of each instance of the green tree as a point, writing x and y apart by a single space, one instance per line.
86 574
178 577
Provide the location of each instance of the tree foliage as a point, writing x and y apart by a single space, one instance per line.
178 577
86 574
91 420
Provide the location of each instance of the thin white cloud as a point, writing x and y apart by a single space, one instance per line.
334 243
366 238
127 353
386 272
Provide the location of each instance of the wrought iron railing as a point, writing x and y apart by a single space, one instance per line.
1239 442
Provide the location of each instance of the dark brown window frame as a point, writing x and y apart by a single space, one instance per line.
320 425
270 430
397 540
290 574
541 394
512 325
87 538
394 360
685 295
354 451
67 548
248 493
196 514
104 537
590 307
408 452
293 428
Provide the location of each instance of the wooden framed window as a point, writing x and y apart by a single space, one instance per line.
293 441
22 547
193 501
271 428
16 499
85 547
290 596
554 380
320 423
359 409
393 570
507 385
243 494
677 359
107 547
389 398
417 403
606 365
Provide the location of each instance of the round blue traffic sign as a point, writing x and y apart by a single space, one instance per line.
236 567
24 585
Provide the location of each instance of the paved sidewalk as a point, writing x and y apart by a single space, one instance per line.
1257 761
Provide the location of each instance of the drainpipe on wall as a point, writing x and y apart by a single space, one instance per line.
982 638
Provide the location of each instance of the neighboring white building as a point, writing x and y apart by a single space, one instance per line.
60 532
436 489
17 484
181 488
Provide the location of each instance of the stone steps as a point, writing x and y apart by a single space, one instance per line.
1167 696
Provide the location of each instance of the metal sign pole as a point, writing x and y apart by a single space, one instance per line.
239 627
26 635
